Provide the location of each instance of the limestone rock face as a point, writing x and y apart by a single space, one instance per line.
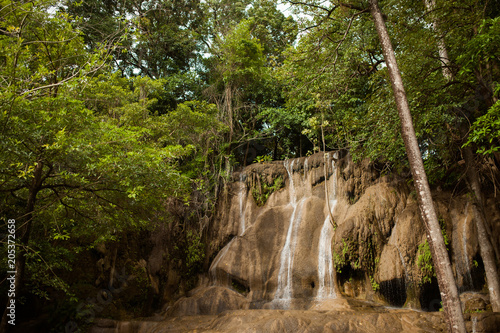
285 225
322 244
208 301
349 316
292 218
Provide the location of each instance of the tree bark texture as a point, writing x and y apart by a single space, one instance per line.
485 247
24 232
228 96
446 280
443 51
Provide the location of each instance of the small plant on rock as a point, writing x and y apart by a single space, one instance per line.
261 193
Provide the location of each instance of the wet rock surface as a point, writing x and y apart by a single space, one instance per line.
335 316
265 258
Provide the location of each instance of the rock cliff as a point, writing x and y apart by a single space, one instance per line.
295 234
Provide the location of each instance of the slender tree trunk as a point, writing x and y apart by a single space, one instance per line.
246 154
229 109
444 273
23 236
275 153
485 247
443 51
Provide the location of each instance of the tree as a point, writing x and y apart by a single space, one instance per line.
245 40
335 25
444 273
67 172
241 65
486 249
157 38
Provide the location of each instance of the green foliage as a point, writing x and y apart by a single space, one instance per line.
261 193
106 113
358 254
336 73
424 256
82 149
262 159
156 40
481 54
486 131
341 259
375 285
195 252
242 55
424 262
442 224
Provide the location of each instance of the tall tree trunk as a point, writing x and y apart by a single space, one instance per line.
246 154
228 93
22 239
443 51
485 247
444 273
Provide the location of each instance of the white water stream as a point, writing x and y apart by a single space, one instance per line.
242 196
242 200
298 194
283 294
326 287
403 263
468 285
217 260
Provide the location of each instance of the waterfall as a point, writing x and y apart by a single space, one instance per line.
406 277
306 163
284 293
325 259
462 265
217 260
325 262
468 277
242 200
242 196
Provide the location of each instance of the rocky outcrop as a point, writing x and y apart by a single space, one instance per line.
377 239
208 301
324 244
291 218
357 318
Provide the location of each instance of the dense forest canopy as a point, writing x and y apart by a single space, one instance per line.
115 113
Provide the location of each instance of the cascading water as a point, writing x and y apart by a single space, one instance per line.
284 294
306 164
326 287
242 196
468 276
217 260
242 199
301 194
403 263
462 265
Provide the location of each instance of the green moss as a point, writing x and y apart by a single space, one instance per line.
261 193
341 259
424 256
424 262
375 285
